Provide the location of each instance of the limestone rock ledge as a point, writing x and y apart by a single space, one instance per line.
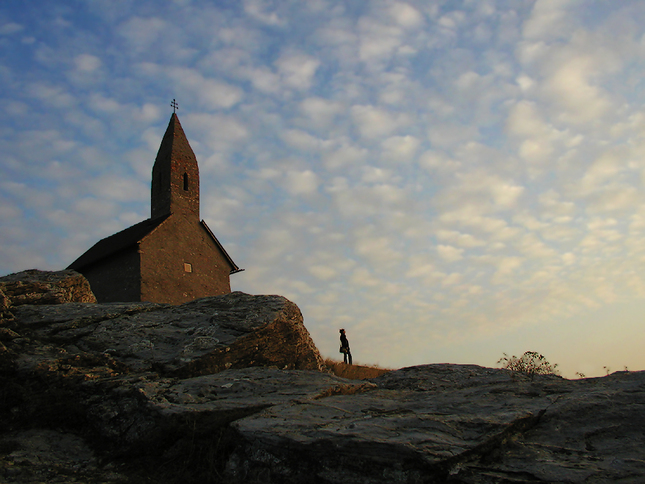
231 389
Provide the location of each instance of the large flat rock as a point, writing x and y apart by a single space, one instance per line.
453 423
150 411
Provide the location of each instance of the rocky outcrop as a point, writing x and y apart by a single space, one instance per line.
201 337
231 389
42 287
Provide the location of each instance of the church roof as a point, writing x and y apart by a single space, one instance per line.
116 242
131 236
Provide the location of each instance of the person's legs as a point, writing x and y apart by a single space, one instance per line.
349 356
345 357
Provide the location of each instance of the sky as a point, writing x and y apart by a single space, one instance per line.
449 181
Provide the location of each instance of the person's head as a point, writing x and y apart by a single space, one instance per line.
342 331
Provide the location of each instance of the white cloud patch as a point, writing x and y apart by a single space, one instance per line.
321 112
377 41
297 70
344 156
505 268
400 148
549 19
323 272
10 28
87 63
603 169
213 92
406 15
362 277
459 239
450 253
262 10
537 138
219 132
51 95
301 182
143 32
301 140
374 122
572 88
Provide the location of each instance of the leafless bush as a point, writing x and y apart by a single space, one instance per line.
530 363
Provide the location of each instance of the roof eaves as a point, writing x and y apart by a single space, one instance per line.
236 269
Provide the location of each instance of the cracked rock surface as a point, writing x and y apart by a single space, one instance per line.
231 389
455 423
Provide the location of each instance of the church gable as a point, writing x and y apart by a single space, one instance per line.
220 247
180 261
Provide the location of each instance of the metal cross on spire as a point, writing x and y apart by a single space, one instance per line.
174 105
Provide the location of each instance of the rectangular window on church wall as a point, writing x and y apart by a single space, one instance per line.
188 267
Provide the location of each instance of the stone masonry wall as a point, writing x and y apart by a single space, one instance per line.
164 253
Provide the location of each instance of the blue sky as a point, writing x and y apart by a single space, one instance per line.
448 180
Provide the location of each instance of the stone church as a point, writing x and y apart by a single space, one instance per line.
172 257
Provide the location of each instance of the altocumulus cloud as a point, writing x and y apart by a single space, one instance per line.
446 180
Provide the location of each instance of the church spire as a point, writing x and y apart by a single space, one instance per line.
175 175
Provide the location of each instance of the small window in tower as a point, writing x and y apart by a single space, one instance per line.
186 181
188 267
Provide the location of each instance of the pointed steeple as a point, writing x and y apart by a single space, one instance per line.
175 175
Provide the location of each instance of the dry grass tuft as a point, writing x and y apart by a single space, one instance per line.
354 372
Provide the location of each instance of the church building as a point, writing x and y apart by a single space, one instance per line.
172 257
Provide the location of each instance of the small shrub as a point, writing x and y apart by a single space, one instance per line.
530 363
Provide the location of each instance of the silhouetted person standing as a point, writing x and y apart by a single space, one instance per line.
344 347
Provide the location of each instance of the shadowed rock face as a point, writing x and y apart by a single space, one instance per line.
229 389
204 336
